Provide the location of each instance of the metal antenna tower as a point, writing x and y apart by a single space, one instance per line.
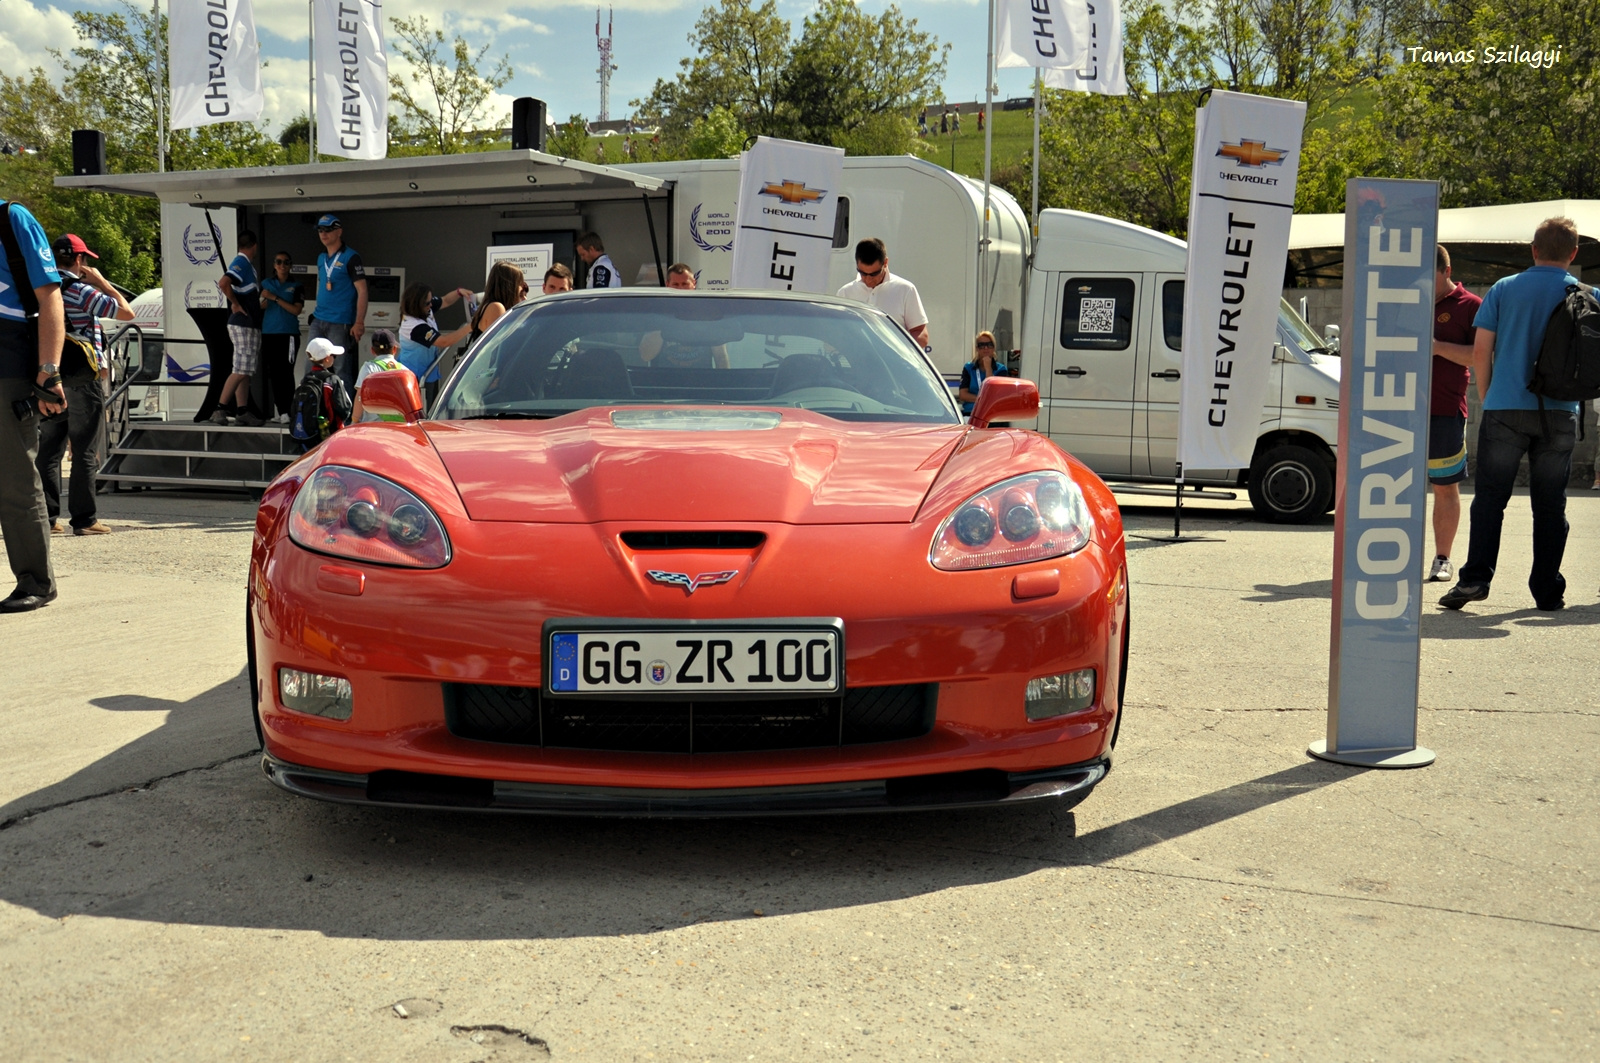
606 65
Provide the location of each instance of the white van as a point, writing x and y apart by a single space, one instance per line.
1113 401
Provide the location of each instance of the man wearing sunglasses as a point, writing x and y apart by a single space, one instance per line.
341 298
895 296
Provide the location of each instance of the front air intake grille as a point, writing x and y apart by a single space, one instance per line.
693 540
521 716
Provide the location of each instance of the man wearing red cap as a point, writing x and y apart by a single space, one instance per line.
86 296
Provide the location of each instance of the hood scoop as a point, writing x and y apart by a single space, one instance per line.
693 540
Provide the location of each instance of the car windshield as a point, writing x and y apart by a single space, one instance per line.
565 354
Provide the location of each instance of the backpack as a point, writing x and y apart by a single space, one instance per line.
1567 368
314 409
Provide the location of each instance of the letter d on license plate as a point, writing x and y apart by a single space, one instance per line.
642 657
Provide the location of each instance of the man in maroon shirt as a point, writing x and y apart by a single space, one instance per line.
1453 310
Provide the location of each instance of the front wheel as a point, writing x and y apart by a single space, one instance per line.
1290 484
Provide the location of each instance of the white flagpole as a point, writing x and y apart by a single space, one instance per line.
1038 99
988 146
311 80
161 91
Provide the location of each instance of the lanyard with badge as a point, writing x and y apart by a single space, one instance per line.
333 264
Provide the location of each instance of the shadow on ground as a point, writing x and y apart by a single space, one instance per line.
221 846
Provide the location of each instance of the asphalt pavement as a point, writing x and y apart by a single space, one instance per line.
1221 896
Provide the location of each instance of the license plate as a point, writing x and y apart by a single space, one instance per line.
695 659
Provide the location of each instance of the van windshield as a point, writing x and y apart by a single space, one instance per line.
1295 332
572 352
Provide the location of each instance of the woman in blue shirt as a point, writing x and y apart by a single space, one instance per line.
281 300
421 342
982 367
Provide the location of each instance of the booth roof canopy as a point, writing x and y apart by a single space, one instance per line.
1509 223
519 174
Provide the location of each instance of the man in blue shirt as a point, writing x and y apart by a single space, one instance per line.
1511 324
242 289
341 296
30 384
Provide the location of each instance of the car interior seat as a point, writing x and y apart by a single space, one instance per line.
806 370
592 373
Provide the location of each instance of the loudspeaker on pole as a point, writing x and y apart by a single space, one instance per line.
527 124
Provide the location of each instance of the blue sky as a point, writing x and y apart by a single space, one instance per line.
551 44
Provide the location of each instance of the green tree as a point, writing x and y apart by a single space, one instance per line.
571 139
717 135
850 71
443 96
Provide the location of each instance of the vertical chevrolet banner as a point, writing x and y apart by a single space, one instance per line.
1051 34
788 196
214 62
1386 348
352 79
1102 69
1247 156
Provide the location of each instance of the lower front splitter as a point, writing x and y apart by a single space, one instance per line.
964 789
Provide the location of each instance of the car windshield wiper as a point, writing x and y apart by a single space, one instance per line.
506 415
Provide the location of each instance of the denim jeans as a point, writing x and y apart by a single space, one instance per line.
1504 436
86 408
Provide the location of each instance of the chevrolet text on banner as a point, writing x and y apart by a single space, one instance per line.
214 64
788 196
1101 70
1382 486
1042 33
1247 155
352 80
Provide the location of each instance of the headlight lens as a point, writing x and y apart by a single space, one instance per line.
1060 695
349 513
1025 518
314 693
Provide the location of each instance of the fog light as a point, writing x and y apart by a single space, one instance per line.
317 695
1060 695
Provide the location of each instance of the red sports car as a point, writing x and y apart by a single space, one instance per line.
677 553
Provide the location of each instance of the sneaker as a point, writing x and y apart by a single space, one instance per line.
1461 594
96 528
1442 571
249 420
220 416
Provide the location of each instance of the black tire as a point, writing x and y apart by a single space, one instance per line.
1290 484
250 666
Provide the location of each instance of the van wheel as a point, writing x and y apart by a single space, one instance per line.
1290 484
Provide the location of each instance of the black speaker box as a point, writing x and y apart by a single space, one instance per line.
88 153
527 124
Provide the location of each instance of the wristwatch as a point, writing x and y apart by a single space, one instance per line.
49 368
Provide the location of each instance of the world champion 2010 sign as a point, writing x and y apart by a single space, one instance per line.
1379 525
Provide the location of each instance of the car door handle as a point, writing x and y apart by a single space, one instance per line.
1072 371
1166 374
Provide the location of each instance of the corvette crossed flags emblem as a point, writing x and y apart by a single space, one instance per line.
689 583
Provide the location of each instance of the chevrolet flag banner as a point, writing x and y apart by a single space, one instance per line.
1101 70
1246 159
788 196
352 80
214 62
1052 34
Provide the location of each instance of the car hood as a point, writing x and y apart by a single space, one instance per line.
699 465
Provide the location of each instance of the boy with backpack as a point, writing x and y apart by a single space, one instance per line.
321 404
1511 326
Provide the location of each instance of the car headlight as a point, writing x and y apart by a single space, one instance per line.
1025 518
349 513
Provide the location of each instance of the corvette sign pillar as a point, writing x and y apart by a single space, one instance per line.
788 196
1382 494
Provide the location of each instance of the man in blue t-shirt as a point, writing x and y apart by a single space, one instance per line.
242 289
30 384
341 297
1510 330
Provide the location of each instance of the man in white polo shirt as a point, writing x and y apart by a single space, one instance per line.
895 296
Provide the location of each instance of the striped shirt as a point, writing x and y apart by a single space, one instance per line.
85 305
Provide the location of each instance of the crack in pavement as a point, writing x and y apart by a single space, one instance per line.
29 813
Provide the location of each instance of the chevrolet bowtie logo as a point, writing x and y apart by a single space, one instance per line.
689 583
1252 153
793 191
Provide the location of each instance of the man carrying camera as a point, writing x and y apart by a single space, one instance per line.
32 331
86 297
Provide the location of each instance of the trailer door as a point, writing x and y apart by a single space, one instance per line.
1090 391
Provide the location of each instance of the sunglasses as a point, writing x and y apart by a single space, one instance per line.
281 262
875 273
984 343
329 228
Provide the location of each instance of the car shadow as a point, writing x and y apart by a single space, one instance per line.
216 844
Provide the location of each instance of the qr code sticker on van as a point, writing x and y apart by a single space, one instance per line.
1097 315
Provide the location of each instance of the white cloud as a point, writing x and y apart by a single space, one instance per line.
27 33
285 90
531 70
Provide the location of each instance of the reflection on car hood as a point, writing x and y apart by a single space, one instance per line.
581 468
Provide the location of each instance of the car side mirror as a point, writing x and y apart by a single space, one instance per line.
1330 337
392 393
1005 399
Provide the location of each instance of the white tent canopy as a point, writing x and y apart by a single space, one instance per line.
1510 223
